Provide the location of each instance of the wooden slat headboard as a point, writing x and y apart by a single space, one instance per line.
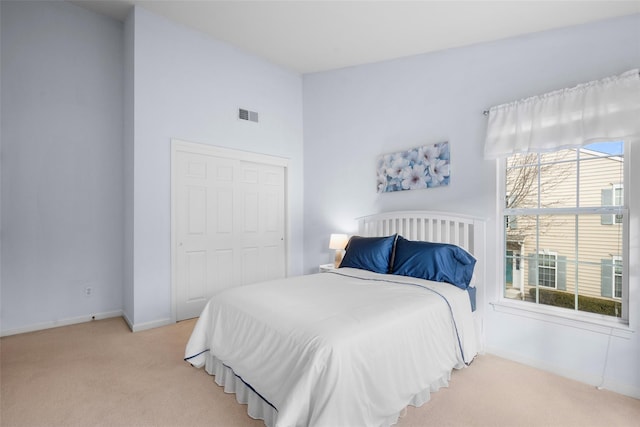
440 227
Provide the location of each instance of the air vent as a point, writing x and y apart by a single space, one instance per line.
251 116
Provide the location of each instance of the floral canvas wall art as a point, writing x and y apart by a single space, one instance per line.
421 167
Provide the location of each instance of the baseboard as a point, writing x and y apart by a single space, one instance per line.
585 378
62 322
137 327
127 321
625 389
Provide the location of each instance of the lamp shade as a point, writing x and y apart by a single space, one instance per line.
338 241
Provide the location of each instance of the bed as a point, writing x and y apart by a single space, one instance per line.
356 345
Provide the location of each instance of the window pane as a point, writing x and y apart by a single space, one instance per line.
600 267
512 273
556 243
601 175
589 292
522 181
519 228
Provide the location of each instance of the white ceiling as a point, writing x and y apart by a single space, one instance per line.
309 36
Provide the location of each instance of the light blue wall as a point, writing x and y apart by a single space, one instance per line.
61 164
89 108
353 115
188 86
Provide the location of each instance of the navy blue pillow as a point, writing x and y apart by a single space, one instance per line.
369 253
440 262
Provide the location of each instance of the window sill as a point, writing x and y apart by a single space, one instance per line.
594 323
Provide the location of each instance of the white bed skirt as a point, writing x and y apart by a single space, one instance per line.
259 409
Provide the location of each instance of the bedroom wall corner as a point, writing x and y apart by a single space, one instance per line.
128 306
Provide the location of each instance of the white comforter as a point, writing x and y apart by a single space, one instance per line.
347 348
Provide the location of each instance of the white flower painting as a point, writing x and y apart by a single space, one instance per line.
422 167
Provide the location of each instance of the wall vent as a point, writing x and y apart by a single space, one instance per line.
251 116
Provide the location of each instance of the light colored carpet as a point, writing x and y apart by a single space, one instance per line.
100 374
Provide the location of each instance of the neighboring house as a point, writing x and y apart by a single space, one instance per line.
550 256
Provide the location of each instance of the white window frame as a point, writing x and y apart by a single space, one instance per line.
618 326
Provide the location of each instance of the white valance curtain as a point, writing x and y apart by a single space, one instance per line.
601 110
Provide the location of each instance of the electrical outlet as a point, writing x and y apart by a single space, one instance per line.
88 291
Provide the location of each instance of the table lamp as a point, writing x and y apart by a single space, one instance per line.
338 243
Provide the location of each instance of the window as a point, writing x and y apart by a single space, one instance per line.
617 277
570 214
612 195
618 197
618 200
547 269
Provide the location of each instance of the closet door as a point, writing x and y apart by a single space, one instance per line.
260 223
229 226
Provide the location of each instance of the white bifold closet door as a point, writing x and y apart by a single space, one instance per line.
229 226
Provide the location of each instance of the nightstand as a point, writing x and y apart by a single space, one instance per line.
326 267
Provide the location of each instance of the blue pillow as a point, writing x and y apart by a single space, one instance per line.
369 253
440 262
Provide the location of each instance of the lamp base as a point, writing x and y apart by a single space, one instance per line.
338 259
